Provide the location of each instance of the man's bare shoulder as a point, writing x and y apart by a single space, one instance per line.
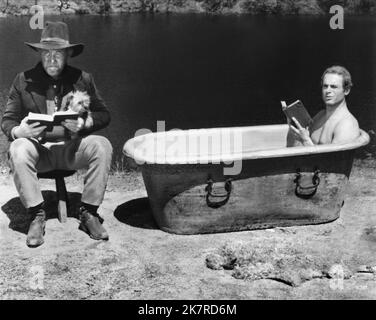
346 129
348 121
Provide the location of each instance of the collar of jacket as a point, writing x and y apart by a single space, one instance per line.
39 75
37 82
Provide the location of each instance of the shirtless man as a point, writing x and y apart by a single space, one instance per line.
334 124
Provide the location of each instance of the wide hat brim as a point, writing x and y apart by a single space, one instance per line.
77 48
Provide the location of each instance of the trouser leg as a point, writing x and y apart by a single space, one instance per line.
94 153
25 157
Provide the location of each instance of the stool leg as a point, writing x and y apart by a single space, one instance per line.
62 198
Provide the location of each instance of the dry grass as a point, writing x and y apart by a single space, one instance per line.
286 264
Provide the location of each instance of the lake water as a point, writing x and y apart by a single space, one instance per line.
197 71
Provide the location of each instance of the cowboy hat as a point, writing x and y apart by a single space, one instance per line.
55 35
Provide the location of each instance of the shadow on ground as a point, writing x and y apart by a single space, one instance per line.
136 213
20 220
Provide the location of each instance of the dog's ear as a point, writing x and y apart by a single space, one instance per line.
65 102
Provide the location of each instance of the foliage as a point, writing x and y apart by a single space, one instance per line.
14 7
260 7
352 6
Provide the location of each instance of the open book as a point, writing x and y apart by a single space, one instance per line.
298 111
52 120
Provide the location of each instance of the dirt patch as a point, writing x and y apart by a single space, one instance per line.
329 261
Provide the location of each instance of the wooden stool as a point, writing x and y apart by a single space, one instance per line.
61 191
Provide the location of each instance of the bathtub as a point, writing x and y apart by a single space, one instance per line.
194 184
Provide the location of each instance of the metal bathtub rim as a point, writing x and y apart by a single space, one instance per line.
130 147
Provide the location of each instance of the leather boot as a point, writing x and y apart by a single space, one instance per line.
37 229
91 223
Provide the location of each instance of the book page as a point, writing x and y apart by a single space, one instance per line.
65 113
292 104
39 117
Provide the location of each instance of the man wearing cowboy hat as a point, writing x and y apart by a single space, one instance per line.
69 146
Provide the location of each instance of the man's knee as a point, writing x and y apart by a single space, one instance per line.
100 145
21 150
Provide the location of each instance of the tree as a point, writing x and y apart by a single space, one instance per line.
6 6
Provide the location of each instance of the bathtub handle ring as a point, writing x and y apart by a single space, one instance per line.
209 193
303 192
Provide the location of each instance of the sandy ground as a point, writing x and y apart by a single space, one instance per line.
142 262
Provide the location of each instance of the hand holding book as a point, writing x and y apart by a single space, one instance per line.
302 133
299 121
73 125
25 130
49 121
298 111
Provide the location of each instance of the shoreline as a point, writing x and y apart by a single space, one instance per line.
216 7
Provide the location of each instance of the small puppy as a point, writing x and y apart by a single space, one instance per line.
78 101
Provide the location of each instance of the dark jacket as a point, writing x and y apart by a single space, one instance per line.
28 94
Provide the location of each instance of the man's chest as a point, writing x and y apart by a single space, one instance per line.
44 99
322 132
53 97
